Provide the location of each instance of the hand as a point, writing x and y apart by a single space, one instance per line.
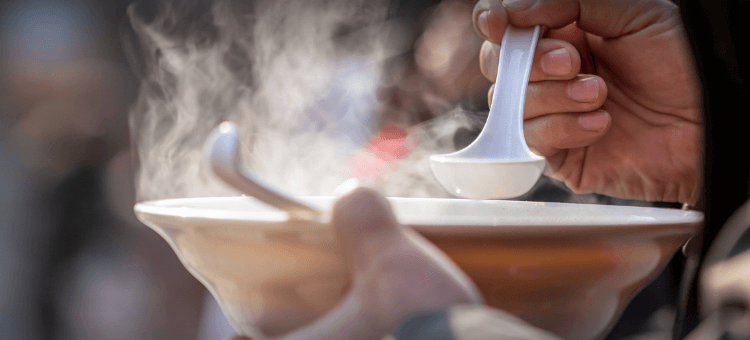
394 272
726 292
628 125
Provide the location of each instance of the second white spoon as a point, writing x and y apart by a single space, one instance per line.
498 164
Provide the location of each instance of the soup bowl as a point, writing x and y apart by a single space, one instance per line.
567 268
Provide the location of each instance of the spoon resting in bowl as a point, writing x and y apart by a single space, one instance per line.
222 152
498 164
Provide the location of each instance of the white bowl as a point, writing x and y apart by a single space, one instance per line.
567 268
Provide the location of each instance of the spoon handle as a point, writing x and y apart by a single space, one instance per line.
505 121
222 152
248 183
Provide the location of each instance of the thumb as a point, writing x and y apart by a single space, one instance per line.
364 225
604 18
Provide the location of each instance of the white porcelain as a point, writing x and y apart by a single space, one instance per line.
567 268
498 164
222 152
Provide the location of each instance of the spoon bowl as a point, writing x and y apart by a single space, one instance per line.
498 164
509 178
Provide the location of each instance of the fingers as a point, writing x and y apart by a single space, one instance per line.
395 271
553 60
604 18
728 293
549 134
576 37
584 93
364 223
369 234
490 20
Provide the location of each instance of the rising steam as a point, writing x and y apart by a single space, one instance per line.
300 78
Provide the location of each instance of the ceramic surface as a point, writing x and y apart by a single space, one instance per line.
567 268
498 163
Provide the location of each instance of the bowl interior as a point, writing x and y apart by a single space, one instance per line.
568 268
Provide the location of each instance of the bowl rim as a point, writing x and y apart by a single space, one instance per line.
664 221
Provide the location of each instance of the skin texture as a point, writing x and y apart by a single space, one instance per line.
395 272
627 126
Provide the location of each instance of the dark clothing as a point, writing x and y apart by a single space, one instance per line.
468 322
717 31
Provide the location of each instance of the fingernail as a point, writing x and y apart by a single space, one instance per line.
483 24
584 90
518 5
557 62
594 121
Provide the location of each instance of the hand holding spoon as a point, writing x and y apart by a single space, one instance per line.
498 164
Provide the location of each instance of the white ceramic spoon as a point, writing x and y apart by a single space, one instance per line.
498 164
222 152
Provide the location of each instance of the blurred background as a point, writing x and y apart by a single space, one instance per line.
74 261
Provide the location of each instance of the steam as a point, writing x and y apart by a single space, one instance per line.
300 78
